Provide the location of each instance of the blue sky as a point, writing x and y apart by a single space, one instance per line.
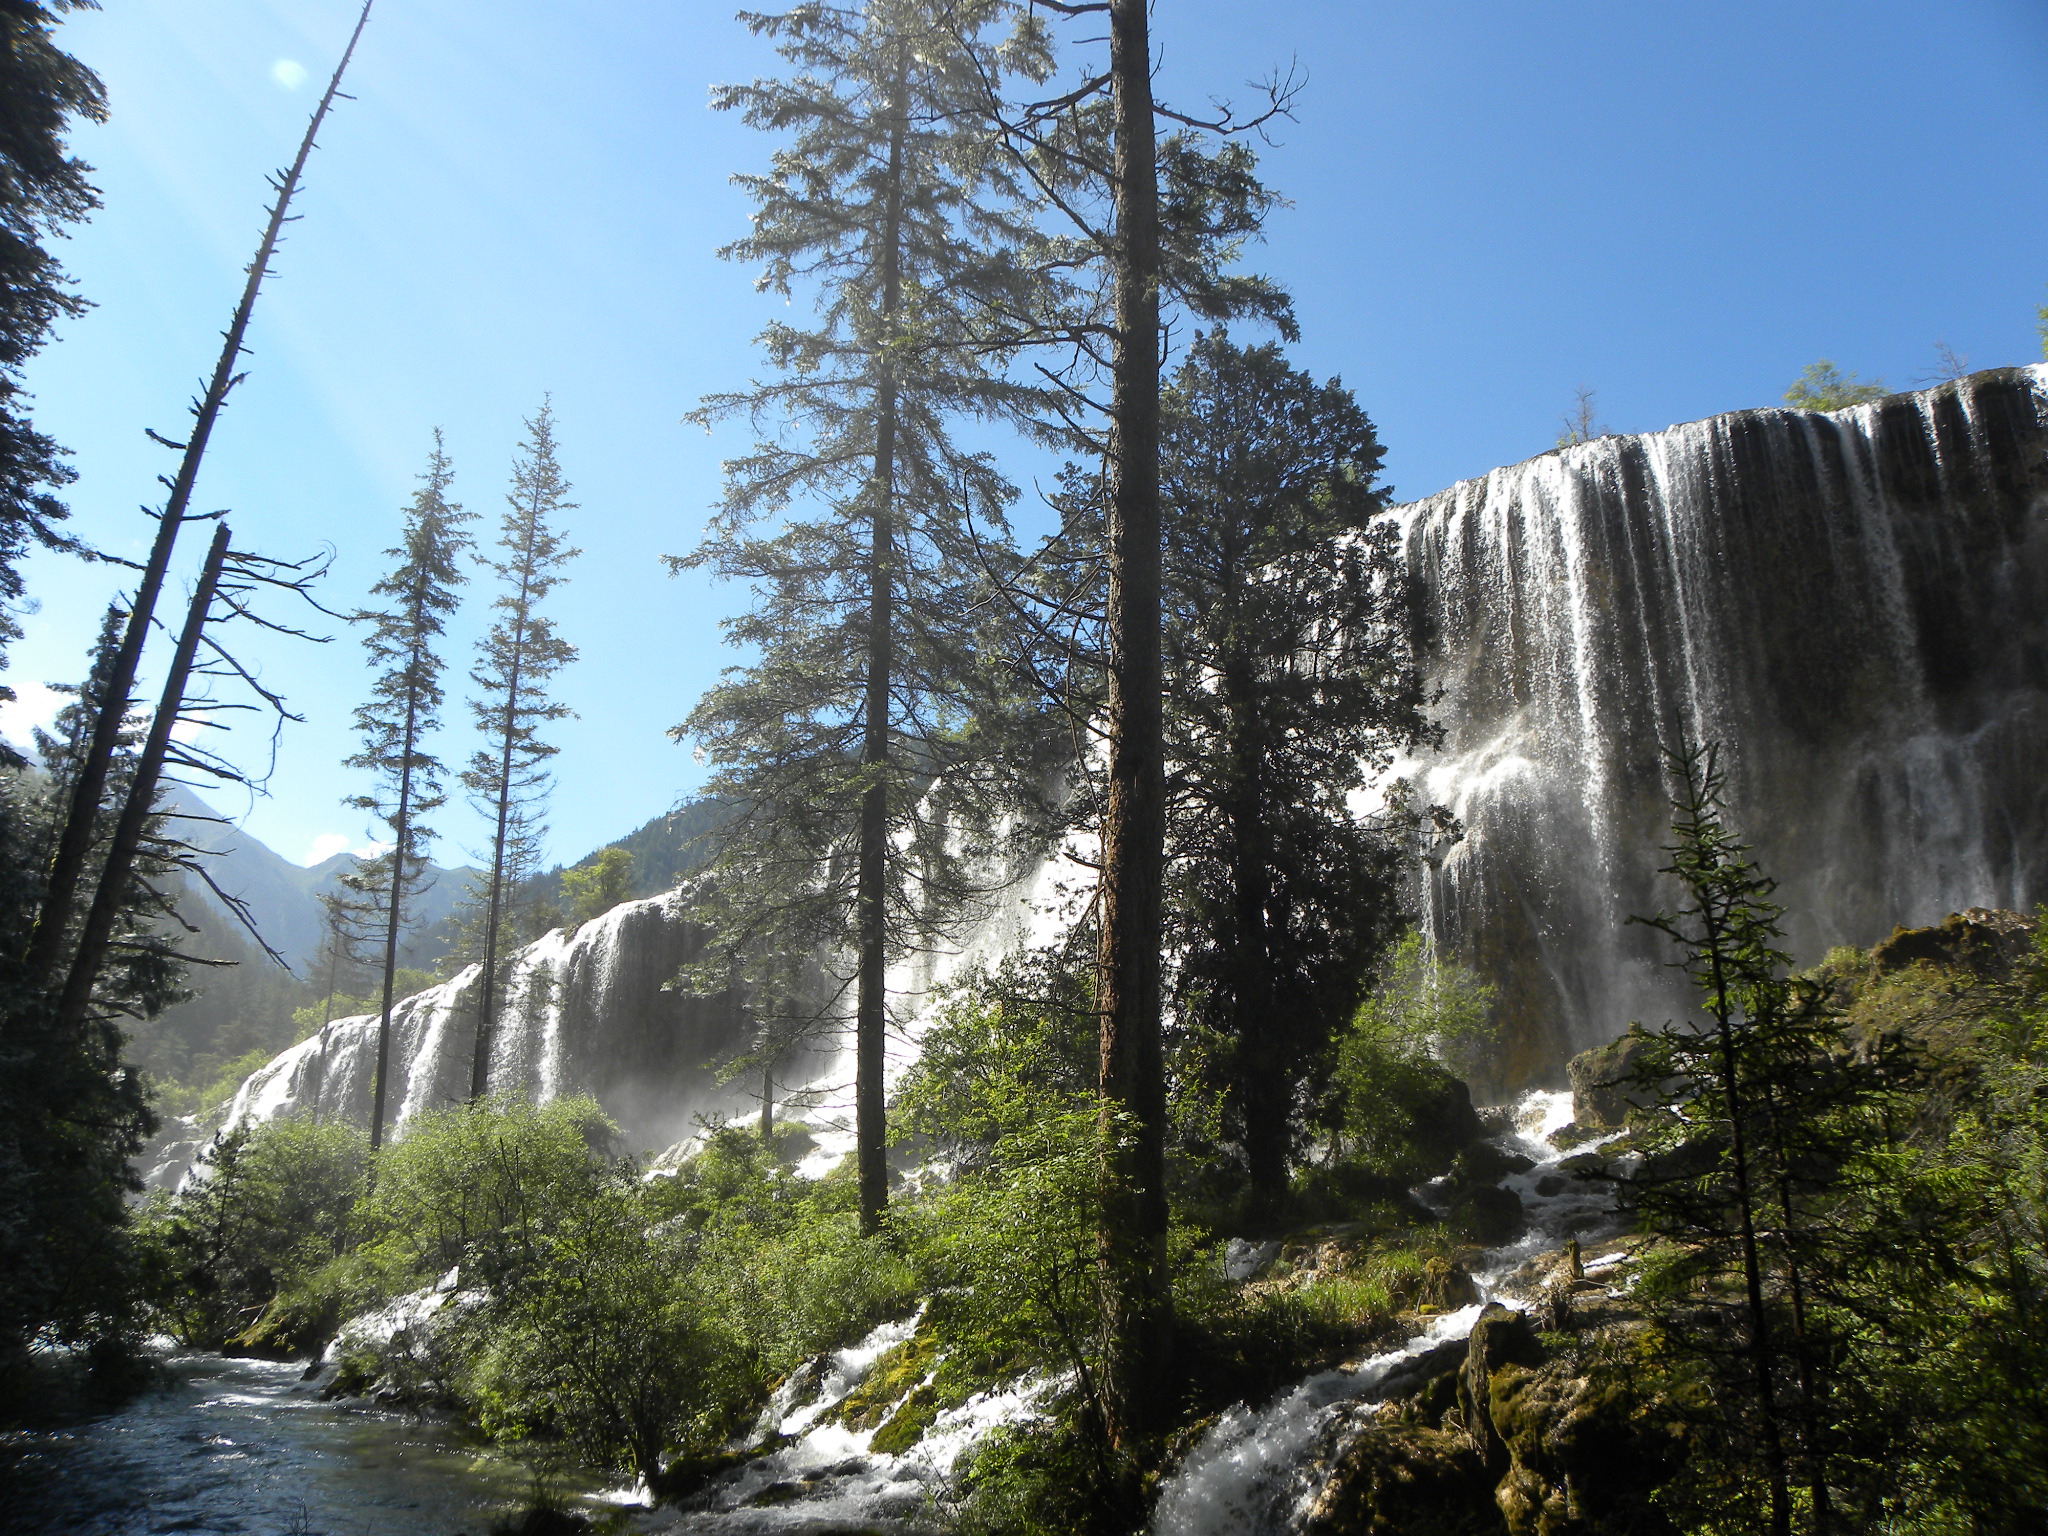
1679 206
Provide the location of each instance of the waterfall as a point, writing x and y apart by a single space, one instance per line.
1854 605
586 1009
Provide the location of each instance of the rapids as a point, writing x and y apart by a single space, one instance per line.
1243 1476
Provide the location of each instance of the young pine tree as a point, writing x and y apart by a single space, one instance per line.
508 777
852 749
1714 1190
404 707
1290 680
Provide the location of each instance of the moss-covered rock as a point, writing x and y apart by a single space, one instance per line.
1404 1480
1587 1452
1984 943
1604 1082
1488 1216
906 1426
892 1378
295 1326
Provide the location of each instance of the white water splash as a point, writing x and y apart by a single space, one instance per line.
1240 1480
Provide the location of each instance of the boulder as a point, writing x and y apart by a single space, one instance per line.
1501 1337
1488 1216
1585 1453
1485 1163
1604 1081
1394 1479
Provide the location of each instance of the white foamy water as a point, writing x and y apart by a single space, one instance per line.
1242 1478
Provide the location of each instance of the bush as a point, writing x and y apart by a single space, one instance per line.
269 1207
476 1185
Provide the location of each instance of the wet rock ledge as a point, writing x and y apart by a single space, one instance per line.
1515 1431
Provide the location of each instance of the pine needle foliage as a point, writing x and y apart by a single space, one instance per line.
1288 665
403 709
861 745
508 778
43 191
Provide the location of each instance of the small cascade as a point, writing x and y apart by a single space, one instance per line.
1245 1477
825 1477
1851 604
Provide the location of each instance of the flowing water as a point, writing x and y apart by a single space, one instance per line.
244 1448
1244 1477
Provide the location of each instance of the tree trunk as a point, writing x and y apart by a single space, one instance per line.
401 833
1137 1301
871 1130
1264 1059
98 930
487 982
74 844
1752 1268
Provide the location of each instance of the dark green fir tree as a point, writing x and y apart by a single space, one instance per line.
403 710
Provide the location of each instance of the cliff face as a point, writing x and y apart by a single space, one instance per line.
1854 605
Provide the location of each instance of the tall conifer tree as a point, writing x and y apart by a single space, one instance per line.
404 707
1288 670
1154 222
893 202
43 189
508 777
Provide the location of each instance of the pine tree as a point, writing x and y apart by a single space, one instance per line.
1289 680
1095 154
508 778
43 190
851 749
403 709
1718 1199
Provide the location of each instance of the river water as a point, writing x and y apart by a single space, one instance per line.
245 1448
242 1448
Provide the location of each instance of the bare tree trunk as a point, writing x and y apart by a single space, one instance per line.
46 941
1137 1302
98 930
768 1104
871 1132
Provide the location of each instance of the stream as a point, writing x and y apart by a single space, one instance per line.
230 1447
245 1448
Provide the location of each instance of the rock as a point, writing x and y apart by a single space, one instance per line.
1445 1286
1603 1082
1243 1259
1552 1184
1585 1453
295 1326
1485 1163
1501 1337
1403 1480
1984 943
1488 1216
1441 1117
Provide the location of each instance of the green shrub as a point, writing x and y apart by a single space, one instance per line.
477 1185
269 1206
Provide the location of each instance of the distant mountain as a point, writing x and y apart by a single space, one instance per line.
283 897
